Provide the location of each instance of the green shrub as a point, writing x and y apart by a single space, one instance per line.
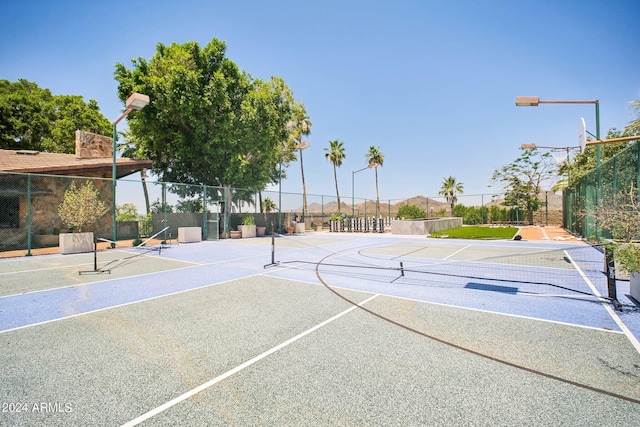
81 207
477 232
411 212
628 255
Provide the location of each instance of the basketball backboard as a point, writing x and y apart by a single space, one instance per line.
582 134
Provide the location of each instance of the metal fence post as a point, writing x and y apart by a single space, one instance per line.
29 214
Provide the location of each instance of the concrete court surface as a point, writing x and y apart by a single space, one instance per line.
250 348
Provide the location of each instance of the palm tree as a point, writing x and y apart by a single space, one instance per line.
303 127
449 189
335 154
375 157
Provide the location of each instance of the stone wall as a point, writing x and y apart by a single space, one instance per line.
555 217
417 227
90 145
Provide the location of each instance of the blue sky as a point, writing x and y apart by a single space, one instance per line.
432 83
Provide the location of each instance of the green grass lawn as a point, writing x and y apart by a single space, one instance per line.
476 232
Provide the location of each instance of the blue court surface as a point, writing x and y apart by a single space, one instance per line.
319 329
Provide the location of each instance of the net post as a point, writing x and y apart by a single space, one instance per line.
610 267
95 255
95 261
273 251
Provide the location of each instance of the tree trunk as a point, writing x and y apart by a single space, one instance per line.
377 194
304 189
335 177
143 177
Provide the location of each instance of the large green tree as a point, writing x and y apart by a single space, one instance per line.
335 154
524 178
208 122
31 118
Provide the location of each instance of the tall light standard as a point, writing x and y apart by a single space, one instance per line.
353 207
136 101
534 101
299 148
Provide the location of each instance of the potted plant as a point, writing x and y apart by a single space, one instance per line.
248 226
621 217
79 210
627 256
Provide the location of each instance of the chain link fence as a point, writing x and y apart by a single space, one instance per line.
600 187
30 209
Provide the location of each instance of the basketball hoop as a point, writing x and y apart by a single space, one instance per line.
560 155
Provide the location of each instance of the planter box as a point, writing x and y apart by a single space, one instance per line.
75 243
189 234
247 230
634 286
421 227
299 227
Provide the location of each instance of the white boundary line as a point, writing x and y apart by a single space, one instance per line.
544 233
461 307
126 303
634 341
456 252
239 368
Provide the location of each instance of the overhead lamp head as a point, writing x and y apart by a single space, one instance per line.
303 145
527 101
137 101
528 146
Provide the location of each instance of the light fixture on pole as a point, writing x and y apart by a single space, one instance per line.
534 101
299 148
136 101
371 165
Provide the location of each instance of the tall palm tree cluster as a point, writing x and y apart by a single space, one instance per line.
335 154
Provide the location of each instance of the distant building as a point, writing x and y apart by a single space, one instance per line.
93 159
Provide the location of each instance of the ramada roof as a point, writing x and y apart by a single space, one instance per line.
26 161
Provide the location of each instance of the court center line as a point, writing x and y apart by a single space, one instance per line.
634 341
240 367
456 252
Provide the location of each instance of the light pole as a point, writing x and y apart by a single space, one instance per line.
371 165
534 101
299 148
136 101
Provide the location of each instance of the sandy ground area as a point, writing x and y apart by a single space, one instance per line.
545 233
